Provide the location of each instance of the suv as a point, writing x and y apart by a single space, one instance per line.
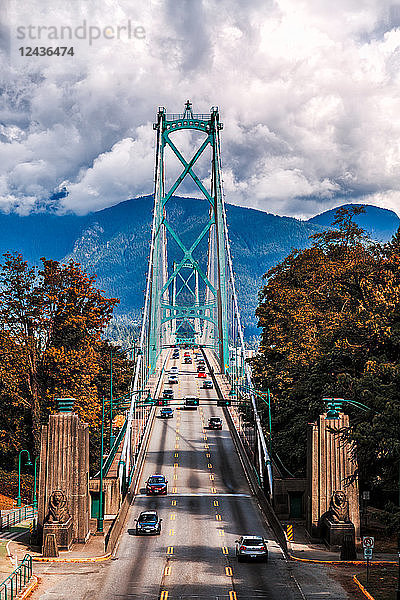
191 402
166 413
168 393
148 522
207 384
215 423
253 547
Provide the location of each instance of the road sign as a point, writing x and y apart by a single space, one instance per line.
368 541
368 553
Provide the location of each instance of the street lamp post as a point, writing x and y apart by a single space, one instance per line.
100 518
34 487
111 399
28 464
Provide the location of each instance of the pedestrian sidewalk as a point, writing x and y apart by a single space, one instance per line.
19 535
302 548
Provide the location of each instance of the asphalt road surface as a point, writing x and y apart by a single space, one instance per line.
208 506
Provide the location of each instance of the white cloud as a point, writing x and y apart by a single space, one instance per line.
309 97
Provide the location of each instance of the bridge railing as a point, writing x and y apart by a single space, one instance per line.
16 516
10 587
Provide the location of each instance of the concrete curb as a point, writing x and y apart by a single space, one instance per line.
32 586
89 559
362 588
342 562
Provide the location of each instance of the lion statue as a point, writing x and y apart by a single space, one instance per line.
58 509
339 508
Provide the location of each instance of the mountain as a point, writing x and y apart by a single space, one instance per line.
379 223
114 243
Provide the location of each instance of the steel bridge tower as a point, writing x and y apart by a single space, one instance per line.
206 313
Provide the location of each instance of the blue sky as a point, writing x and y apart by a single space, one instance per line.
308 92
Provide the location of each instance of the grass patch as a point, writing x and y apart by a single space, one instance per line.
382 583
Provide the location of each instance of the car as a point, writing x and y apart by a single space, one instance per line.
149 523
168 393
156 485
172 379
201 368
187 360
173 370
186 354
201 374
215 423
191 402
251 547
166 413
207 384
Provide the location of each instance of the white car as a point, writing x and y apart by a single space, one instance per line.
251 547
174 370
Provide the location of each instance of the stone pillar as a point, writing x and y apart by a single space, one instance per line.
64 465
329 464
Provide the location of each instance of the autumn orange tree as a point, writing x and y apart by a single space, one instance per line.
330 318
51 325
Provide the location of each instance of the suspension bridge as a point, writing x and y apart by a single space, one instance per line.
191 355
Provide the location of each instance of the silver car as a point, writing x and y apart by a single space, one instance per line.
251 547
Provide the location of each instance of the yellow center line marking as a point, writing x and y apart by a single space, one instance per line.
176 465
216 503
232 596
176 446
228 571
167 571
208 454
164 595
172 517
212 477
175 476
209 465
171 532
213 490
224 550
173 503
206 446
221 532
170 550
218 517
176 454
174 490
205 437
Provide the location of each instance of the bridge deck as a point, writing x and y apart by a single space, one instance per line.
209 504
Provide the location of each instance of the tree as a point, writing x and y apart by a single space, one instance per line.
51 322
331 327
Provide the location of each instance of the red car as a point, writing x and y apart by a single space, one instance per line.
201 374
156 485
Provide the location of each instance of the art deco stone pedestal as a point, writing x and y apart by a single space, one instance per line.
334 534
330 466
62 534
64 466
